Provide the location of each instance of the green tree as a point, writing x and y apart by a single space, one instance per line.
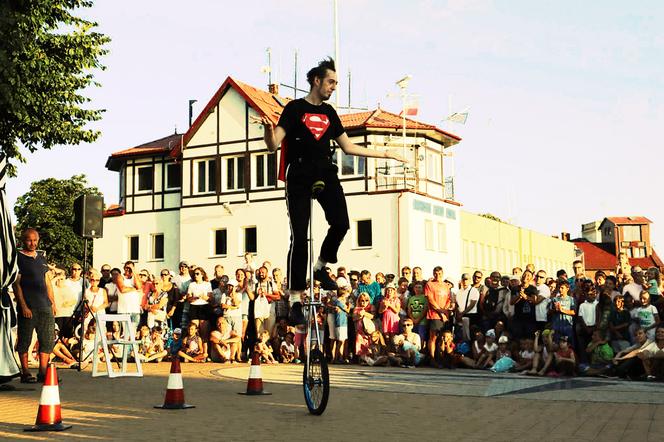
49 207
47 56
493 217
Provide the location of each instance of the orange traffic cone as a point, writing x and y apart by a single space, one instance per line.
49 417
174 399
255 382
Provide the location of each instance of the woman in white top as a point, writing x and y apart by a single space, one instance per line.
244 287
198 295
129 294
97 299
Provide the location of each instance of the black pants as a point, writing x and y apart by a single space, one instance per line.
299 179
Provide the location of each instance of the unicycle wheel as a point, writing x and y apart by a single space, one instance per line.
316 382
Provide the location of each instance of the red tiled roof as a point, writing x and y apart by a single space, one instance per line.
160 146
383 119
113 210
628 220
650 261
596 255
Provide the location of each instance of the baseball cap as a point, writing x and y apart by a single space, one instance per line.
449 281
183 263
491 333
637 269
503 340
391 285
177 331
342 282
232 282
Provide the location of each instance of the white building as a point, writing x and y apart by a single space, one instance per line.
211 194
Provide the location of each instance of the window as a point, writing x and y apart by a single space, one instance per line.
132 246
364 238
173 176
235 173
442 237
639 252
428 234
205 173
250 240
219 242
352 165
631 233
157 246
266 170
145 178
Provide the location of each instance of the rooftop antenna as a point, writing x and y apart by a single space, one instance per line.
336 49
268 69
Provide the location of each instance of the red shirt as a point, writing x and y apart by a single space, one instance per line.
435 291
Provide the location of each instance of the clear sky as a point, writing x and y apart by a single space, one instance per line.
566 97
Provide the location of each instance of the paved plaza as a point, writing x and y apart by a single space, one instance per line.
365 403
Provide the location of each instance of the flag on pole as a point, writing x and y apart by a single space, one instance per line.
411 107
458 117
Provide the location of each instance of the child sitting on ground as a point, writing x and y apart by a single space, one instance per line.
263 348
488 353
192 346
526 354
155 352
288 351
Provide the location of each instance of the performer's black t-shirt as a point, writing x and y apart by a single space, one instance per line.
309 129
33 282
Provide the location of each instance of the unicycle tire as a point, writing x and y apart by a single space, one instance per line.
316 382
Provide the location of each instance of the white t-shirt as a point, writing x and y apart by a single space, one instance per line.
466 297
542 308
112 290
198 289
645 317
634 290
615 294
587 311
652 348
95 299
65 299
231 312
129 302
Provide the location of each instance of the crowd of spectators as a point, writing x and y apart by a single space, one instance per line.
526 322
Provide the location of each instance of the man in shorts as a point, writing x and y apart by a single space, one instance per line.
437 293
34 295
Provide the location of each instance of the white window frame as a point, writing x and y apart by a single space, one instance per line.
434 167
224 176
153 244
266 169
137 168
196 177
428 235
341 155
356 234
167 168
128 243
243 242
441 237
213 243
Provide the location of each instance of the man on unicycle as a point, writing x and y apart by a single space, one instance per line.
305 129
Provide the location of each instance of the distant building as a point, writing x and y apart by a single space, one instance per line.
489 245
629 235
212 194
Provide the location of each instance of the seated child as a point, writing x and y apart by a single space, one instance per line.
263 348
288 352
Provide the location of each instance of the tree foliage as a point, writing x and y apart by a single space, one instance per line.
49 207
47 56
493 217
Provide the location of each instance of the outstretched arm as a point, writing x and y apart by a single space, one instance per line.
272 135
350 148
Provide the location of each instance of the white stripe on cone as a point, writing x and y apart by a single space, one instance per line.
255 372
175 381
49 395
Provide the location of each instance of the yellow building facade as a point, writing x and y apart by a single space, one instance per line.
489 245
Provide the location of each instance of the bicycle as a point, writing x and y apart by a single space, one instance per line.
316 376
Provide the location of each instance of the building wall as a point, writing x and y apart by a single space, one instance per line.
113 248
489 245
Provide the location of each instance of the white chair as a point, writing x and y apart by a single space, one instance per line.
128 343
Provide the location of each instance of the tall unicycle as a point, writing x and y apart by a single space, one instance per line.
316 376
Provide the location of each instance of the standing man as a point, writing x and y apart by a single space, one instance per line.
34 295
438 314
307 125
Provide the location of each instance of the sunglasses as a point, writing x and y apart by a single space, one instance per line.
93 280
408 325
143 275
165 274
78 269
540 277
198 274
105 270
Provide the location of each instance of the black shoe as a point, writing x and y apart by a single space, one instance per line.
326 282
